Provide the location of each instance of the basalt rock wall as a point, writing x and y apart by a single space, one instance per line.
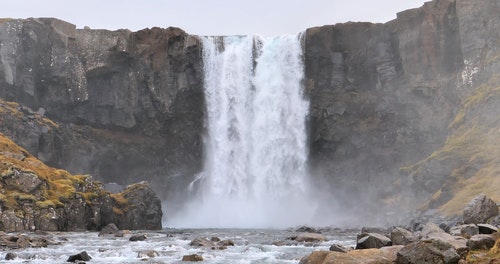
385 98
129 104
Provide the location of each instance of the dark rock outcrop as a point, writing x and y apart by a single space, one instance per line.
487 229
35 196
137 207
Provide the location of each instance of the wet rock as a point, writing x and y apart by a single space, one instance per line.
10 256
82 256
307 229
202 242
147 254
225 243
193 257
111 230
401 236
481 242
479 210
428 251
487 229
138 238
310 237
372 240
465 230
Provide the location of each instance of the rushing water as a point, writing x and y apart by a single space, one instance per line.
252 246
256 149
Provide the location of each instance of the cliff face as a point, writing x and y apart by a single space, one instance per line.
34 196
384 98
130 105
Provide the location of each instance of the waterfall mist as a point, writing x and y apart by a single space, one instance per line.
255 171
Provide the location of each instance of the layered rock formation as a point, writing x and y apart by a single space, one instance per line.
399 111
34 196
129 105
385 96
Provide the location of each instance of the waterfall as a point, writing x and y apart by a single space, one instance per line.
256 146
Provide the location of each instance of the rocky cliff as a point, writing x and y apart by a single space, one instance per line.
129 105
399 111
385 96
34 196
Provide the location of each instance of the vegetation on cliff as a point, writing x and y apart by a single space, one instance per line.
34 196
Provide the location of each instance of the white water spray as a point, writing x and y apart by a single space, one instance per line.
256 150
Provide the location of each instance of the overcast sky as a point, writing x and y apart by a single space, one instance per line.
209 17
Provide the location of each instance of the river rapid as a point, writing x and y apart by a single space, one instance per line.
251 246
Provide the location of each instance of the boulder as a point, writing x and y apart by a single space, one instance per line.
465 230
401 236
202 242
142 209
479 210
481 242
310 237
429 229
111 230
193 257
225 243
429 251
459 243
147 254
82 256
487 229
138 238
10 256
372 240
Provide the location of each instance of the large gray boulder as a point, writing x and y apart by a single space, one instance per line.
479 210
372 240
401 236
430 251
481 242
432 232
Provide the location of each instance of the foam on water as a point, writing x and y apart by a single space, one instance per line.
251 246
255 150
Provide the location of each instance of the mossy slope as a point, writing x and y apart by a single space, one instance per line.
469 162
